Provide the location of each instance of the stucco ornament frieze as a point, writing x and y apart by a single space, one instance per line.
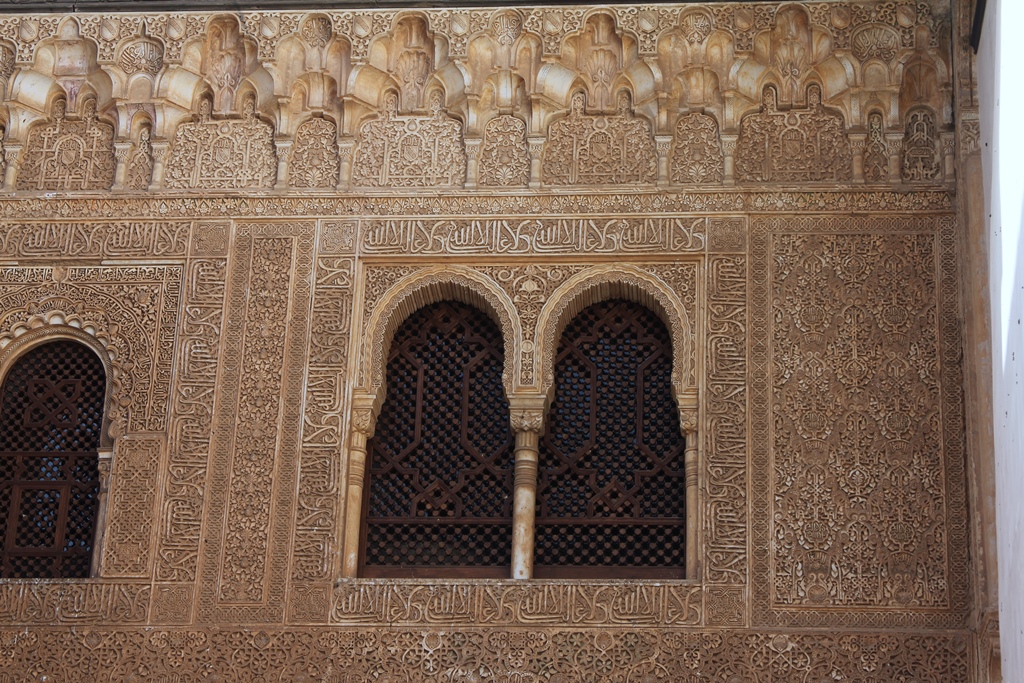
539 97
240 208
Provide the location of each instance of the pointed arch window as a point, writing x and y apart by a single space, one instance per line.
439 487
611 482
51 422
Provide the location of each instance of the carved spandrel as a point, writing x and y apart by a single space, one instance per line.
132 310
504 159
697 151
140 164
314 157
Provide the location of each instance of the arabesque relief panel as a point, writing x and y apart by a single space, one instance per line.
238 206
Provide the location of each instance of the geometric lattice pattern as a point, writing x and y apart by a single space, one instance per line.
440 481
50 427
611 489
53 400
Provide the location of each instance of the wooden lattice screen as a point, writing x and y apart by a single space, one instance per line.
440 477
50 426
611 490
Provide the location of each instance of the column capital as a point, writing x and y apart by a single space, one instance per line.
527 420
663 143
122 150
363 421
160 149
688 420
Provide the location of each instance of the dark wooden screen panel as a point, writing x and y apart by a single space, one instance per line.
611 489
439 499
50 426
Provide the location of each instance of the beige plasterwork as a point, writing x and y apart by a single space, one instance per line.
735 167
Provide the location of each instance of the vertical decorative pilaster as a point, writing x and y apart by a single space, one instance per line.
536 157
12 157
159 154
729 143
472 162
345 148
949 155
663 143
284 153
122 150
106 457
527 425
895 144
858 142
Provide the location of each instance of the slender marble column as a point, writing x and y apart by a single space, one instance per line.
527 427
106 457
362 430
690 469
688 423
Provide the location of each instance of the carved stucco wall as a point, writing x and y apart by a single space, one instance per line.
777 181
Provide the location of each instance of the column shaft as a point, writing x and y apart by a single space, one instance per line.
690 470
524 504
354 503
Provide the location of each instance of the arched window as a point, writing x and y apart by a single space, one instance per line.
611 490
439 486
50 426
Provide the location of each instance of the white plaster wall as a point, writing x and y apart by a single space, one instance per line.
1000 63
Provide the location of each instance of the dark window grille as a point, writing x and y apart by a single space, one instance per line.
50 425
611 483
439 486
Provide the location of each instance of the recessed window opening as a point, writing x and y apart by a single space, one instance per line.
51 423
439 483
611 492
